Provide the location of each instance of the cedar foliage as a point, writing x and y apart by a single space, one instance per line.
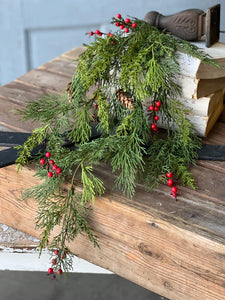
142 64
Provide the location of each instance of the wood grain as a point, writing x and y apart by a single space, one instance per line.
174 248
45 80
8 117
205 87
135 241
216 135
19 92
206 71
62 65
74 53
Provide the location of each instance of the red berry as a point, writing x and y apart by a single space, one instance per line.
126 30
156 118
91 33
54 167
50 174
151 107
169 175
96 106
118 16
63 255
58 170
53 261
155 129
158 103
117 24
170 182
174 189
100 34
174 194
97 31
112 43
156 108
127 20
47 154
51 162
121 26
50 271
59 271
134 25
42 161
153 126
56 252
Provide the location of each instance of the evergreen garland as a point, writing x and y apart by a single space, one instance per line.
117 78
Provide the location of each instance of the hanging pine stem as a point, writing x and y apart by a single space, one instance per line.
132 74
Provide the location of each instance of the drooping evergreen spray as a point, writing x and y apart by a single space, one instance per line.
124 86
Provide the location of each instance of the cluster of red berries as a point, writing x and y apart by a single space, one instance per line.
50 164
99 33
125 24
154 107
170 183
59 255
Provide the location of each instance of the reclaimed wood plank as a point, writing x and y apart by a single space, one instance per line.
175 248
19 92
61 65
44 79
74 53
9 119
217 135
145 248
218 166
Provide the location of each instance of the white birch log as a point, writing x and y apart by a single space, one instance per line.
204 106
193 67
198 88
203 113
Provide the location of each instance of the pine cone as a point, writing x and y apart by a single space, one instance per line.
68 92
125 99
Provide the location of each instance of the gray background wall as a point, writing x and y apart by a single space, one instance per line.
35 31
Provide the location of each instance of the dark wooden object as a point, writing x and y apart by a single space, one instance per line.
190 24
174 248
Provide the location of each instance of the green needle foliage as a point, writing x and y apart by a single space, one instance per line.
143 64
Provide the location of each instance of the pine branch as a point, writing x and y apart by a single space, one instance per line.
127 157
142 67
25 151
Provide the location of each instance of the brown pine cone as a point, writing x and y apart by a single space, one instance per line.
125 99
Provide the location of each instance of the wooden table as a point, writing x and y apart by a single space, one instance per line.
174 248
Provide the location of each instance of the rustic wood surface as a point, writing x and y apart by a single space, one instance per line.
174 248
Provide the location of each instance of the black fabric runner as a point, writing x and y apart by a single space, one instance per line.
12 139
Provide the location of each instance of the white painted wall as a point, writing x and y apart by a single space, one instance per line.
34 31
